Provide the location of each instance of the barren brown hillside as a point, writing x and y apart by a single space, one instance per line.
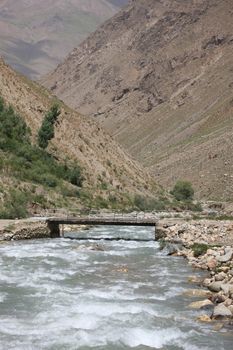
159 77
105 165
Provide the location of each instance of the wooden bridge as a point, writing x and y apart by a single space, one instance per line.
110 219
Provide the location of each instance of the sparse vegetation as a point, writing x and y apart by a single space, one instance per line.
15 205
29 163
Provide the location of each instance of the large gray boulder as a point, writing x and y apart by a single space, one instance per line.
215 286
226 257
171 248
201 305
221 311
227 288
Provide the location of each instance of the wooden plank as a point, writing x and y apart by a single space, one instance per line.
102 221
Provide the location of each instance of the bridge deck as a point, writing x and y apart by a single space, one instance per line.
117 221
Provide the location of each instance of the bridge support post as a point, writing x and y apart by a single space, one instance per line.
54 229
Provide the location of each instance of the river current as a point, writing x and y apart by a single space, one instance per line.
59 294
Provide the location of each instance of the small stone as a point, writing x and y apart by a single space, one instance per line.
203 304
221 311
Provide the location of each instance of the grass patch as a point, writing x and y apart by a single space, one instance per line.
199 249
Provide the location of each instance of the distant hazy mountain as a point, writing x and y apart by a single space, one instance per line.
159 76
35 35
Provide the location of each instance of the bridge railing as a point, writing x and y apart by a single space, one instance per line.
95 214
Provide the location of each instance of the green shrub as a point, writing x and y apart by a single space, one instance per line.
46 131
199 249
145 203
74 176
183 191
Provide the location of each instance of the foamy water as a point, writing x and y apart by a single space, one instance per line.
58 294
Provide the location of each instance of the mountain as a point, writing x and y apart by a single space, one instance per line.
159 77
36 35
111 177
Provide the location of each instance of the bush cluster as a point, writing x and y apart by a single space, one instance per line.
148 204
183 191
199 249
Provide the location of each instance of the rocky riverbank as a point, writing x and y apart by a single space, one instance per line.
22 229
208 245
15 230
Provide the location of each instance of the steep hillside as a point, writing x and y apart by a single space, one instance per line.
36 35
110 176
159 76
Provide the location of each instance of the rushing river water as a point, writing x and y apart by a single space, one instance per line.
58 294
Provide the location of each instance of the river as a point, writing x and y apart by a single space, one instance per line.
58 294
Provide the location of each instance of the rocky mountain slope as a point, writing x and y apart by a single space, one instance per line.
159 76
36 35
108 171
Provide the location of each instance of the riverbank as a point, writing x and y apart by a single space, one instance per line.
15 230
207 245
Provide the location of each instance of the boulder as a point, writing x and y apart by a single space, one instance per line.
202 304
228 302
220 276
225 269
221 311
218 298
227 288
207 282
230 307
226 257
215 287
212 264
195 279
171 248
199 293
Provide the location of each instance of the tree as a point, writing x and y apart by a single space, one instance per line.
183 191
46 131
